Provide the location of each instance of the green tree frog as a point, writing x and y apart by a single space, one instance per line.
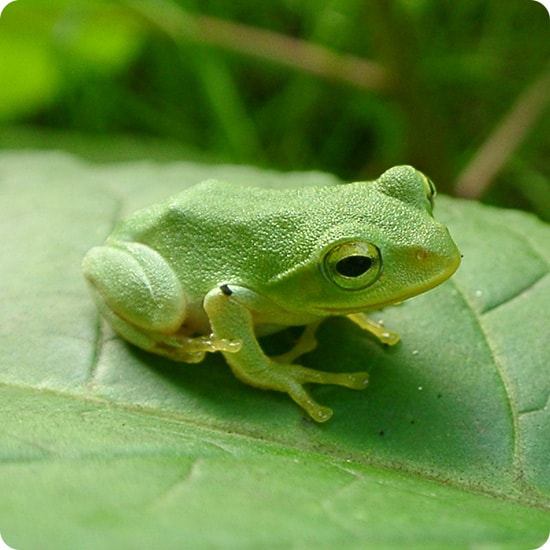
219 265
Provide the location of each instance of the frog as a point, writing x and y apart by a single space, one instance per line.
220 265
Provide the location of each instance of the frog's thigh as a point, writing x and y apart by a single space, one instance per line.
137 284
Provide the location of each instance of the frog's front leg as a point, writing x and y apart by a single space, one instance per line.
232 320
385 336
306 343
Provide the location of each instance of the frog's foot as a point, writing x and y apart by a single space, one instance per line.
305 344
290 379
297 375
192 349
385 336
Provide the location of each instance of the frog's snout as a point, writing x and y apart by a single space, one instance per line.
443 260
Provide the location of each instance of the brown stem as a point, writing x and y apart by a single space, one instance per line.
505 139
284 50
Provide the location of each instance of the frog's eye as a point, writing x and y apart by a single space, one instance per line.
429 188
353 265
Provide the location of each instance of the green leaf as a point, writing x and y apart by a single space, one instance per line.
106 446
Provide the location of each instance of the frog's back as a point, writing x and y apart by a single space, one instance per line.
228 231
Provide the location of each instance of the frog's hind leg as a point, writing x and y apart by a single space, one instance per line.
140 296
177 347
137 284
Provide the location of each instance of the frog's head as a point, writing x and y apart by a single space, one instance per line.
387 248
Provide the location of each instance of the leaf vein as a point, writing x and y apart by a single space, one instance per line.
520 292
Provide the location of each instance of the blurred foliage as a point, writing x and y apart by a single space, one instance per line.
347 86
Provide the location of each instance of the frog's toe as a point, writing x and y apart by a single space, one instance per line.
321 414
315 411
352 380
177 353
355 380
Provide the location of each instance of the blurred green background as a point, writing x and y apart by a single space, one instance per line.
460 89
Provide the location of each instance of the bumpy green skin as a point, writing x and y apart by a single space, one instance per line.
218 265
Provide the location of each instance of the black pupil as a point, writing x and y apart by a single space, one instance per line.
353 266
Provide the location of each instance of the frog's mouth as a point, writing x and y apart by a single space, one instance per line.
412 291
